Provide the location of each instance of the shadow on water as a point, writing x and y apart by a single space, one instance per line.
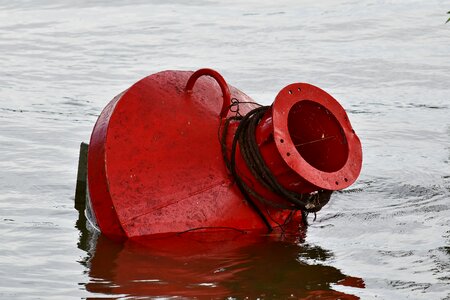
205 265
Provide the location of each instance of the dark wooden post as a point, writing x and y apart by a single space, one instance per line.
80 192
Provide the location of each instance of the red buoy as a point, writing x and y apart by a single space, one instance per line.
177 152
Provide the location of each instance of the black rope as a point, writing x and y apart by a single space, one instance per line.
245 137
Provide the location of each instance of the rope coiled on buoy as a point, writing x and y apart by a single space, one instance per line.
246 139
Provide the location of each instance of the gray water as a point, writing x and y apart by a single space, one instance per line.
386 62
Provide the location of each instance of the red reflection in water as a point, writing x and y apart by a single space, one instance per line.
206 265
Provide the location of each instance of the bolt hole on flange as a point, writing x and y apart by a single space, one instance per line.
290 92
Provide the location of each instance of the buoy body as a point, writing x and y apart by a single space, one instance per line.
155 163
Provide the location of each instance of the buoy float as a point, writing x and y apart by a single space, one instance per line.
184 151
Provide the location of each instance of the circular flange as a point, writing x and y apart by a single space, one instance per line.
335 178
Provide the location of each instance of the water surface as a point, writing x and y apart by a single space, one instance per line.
388 64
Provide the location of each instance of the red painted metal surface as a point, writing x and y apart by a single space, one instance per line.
155 164
97 175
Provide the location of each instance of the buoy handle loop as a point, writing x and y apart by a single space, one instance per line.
222 84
